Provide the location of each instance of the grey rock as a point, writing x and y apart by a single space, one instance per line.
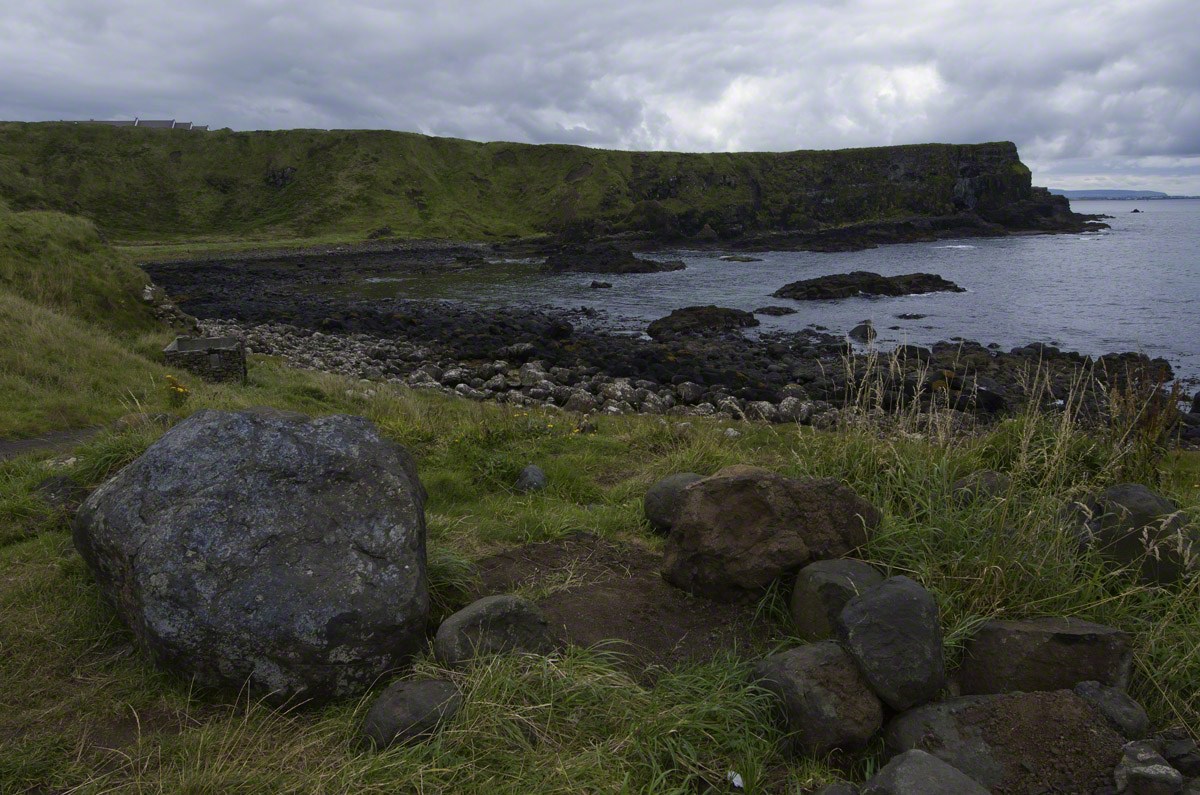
661 503
580 401
919 773
822 590
863 332
942 729
59 491
840 788
407 711
794 409
1182 753
272 413
825 702
1133 526
1143 771
984 484
532 478
690 393
761 410
893 633
493 625
1122 712
1044 654
286 554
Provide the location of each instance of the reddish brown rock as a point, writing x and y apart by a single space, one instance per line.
739 529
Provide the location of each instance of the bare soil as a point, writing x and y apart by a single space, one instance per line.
1052 742
612 595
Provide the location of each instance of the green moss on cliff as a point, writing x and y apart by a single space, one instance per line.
175 184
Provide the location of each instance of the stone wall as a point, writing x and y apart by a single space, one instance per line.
213 359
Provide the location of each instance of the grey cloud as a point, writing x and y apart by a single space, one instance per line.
1086 89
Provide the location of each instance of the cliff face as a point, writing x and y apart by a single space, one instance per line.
148 183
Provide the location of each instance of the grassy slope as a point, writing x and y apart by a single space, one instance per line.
171 184
81 710
74 693
71 322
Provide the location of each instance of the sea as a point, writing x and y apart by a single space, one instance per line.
1132 287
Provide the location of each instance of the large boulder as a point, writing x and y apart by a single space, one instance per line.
894 634
1134 526
277 552
661 503
1049 653
825 702
739 529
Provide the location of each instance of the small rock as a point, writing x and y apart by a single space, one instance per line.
1043 654
731 433
840 788
822 590
916 772
1122 712
406 711
984 484
1134 526
1181 752
662 499
1143 771
893 633
599 285
826 702
863 332
59 491
531 479
493 625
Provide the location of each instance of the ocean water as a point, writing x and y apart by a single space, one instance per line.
1135 286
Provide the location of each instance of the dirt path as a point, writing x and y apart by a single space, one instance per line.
55 440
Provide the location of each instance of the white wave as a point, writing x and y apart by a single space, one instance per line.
956 246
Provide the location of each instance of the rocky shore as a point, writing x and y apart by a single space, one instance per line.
281 307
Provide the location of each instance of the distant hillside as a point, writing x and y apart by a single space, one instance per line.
1110 194
161 184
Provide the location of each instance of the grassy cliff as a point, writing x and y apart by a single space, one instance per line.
139 184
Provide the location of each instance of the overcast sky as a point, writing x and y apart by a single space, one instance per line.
1096 93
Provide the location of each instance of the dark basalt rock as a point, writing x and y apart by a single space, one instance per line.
777 311
698 319
1048 653
408 711
893 633
865 283
604 258
287 555
825 703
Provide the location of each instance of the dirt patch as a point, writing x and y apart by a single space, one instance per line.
1050 742
599 591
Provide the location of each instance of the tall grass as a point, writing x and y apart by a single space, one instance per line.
71 684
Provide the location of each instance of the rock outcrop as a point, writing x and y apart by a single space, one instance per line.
866 284
701 319
284 553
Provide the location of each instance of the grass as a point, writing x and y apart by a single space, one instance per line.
73 686
192 190
82 712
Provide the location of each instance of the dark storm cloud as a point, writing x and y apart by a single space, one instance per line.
1092 92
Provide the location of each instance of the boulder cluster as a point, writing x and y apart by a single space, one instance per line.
264 548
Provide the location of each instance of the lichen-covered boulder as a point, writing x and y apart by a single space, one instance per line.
273 551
